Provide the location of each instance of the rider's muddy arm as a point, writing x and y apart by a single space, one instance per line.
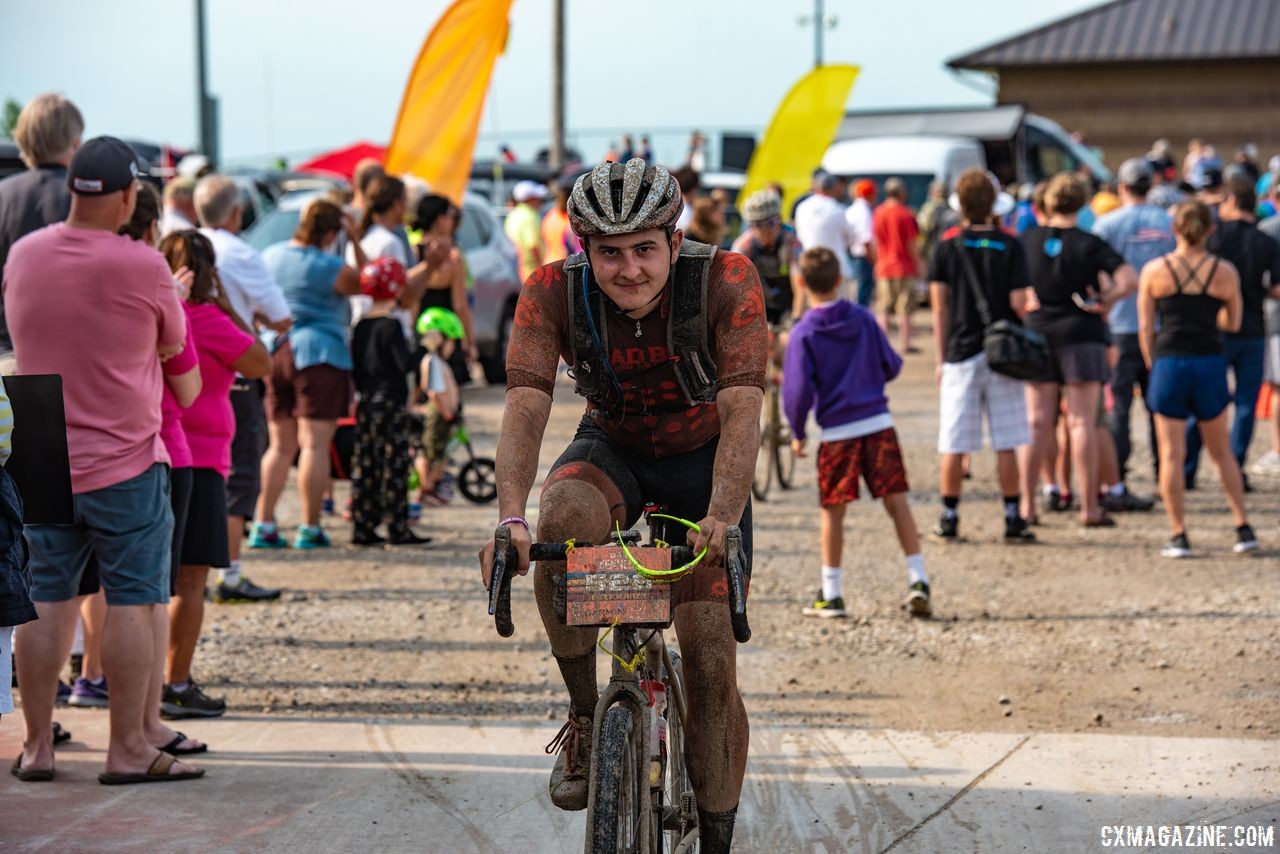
524 420
739 410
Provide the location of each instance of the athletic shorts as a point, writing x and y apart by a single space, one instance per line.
204 543
896 295
1183 386
247 448
628 479
970 390
128 527
322 392
435 434
1079 362
1271 365
876 458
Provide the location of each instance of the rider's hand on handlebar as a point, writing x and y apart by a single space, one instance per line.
520 540
711 537
797 448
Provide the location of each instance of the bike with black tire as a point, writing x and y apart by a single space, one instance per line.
776 457
639 801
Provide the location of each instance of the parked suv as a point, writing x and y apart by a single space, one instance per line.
490 256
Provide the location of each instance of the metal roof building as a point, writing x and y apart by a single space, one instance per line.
1130 71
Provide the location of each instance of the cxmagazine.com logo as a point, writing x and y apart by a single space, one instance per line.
1214 836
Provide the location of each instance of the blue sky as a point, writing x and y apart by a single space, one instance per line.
293 82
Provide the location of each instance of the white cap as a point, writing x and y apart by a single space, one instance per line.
525 191
1002 205
192 165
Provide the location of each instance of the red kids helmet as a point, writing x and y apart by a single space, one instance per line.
383 279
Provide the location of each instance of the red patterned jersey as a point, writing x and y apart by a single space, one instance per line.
639 354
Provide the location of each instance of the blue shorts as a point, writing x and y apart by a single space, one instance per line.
128 527
1184 386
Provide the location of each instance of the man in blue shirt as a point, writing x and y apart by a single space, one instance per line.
1140 232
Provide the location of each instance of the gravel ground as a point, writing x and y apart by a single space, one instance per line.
1082 631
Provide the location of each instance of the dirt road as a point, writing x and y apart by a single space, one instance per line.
1085 631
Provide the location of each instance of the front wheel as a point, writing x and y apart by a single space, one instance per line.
785 460
615 822
478 481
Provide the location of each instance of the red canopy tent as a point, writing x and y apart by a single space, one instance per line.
342 162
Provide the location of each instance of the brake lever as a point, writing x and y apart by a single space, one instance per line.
500 583
735 564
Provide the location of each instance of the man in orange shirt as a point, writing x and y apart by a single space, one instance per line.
897 264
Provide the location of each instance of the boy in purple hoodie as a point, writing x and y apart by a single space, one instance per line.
838 361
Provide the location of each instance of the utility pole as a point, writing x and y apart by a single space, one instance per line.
820 22
557 84
206 107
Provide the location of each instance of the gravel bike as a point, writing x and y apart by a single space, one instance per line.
776 457
640 799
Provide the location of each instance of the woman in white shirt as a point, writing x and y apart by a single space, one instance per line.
381 236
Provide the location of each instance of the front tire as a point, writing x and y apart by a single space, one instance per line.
615 821
763 477
478 481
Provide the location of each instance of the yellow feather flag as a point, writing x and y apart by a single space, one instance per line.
435 133
801 130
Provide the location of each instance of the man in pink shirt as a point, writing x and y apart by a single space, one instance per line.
897 264
116 313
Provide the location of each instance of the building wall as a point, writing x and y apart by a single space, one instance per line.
1124 108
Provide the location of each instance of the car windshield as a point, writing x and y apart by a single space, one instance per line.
274 227
917 185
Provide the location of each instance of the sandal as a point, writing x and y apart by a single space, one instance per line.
173 749
1103 521
60 735
42 775
157 773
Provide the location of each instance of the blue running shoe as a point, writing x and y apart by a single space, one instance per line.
311 538
89 694
264 537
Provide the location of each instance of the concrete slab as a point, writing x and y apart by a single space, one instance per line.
279 783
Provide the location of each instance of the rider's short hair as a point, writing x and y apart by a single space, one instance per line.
820 270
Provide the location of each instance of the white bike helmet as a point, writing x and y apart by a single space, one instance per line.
617 198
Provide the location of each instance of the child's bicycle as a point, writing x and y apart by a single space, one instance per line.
639 799
476 478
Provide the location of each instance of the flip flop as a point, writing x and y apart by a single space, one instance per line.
43 775
60 735
173 749
157 773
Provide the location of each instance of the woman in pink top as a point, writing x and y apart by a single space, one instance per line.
224 347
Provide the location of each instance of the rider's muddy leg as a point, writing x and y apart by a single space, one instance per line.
569 509
716 733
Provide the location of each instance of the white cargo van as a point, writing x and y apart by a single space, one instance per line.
921 146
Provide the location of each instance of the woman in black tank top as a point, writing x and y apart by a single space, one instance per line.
1185 301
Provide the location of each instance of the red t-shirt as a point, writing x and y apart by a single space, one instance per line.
739 346
896 231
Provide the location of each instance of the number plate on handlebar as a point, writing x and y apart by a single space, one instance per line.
602 586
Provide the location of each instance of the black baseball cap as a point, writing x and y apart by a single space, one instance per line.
101 166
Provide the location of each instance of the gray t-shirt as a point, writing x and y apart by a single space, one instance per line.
1271 228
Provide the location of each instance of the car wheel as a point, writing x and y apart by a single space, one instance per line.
495 364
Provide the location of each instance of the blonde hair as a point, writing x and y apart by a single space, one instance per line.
1066 194
48 128
180 188
216 197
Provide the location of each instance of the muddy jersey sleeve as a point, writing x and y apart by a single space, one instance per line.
538 333
739 333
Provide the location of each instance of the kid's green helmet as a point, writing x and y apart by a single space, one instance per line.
441 320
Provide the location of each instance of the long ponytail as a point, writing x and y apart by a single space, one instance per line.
384 192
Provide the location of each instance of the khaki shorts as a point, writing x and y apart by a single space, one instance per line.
896 295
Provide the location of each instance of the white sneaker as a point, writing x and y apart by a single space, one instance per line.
1267 464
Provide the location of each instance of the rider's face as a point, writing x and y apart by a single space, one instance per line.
632 269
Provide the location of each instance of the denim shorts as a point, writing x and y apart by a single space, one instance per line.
127 527
1183 386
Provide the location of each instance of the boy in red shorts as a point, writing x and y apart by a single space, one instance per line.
838 362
